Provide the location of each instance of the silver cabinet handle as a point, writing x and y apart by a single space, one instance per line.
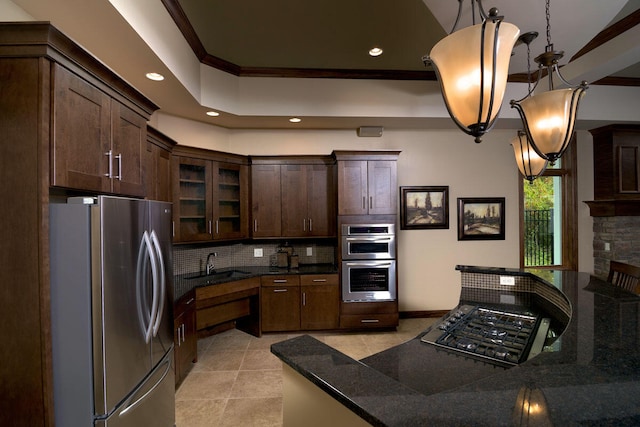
369 321
310 225
209 226
178 332
255 225
190 301
109 154
280 290
119 176
364 201
217 226
173 228
319 280
304 224
280 281
370 202
304 298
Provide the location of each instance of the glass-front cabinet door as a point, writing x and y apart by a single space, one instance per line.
192 203
230 201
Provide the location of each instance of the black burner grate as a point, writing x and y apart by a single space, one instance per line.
487 333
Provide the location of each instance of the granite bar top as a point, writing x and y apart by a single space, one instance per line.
590 375
183 283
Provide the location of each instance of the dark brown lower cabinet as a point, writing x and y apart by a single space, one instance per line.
365 315
319 307
306 302
184 335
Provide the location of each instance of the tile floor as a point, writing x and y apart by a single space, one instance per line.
238 382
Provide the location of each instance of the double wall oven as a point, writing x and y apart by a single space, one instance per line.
368 253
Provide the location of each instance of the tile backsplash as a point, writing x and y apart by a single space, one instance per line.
191 259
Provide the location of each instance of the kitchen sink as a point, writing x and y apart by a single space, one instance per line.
230 274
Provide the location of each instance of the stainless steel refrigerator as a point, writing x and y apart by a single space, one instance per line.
112 321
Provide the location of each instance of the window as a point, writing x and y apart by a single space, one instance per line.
548 235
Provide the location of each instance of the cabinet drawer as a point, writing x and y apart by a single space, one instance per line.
319 279
280 280
368 321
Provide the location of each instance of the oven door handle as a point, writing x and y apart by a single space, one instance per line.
370 239
369 263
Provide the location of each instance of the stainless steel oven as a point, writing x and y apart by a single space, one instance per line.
368 241
369 280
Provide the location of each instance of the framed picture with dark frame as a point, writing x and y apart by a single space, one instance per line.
481 218
424 207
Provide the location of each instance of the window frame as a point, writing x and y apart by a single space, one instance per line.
568 173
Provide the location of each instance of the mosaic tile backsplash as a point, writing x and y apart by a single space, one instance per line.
189 259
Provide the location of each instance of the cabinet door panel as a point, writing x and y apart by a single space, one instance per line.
82 134
352 191
295 216
321 201
280 308
230 200
191 199
128 148
320 307
266 201
382 187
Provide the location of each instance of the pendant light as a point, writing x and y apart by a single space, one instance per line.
549 117
472 66
530 164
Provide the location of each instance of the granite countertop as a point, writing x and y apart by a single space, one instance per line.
183 283
589 376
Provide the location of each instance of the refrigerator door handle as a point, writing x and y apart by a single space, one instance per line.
162 291
141 280
154 273
128 405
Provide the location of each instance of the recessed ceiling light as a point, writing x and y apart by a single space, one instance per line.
295 120
213 113
156 77
375 51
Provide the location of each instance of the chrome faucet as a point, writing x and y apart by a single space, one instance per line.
210 265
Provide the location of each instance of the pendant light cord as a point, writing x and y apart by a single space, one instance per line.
548 16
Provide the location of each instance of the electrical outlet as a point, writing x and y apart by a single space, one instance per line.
607 246
507 280
310 251
257 252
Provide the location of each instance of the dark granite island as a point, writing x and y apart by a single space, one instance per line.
588 375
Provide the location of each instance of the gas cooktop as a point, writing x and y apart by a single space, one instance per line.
503 337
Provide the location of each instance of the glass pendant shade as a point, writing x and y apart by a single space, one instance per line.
531 165
549 119
472 66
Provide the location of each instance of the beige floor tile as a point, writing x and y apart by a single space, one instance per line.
265 341
219 361
260 360
261 412
238 381
257 384
207 385
199 413
230 341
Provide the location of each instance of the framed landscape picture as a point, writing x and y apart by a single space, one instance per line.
481 218
424 207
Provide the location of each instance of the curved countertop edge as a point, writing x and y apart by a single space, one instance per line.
589 379
316 361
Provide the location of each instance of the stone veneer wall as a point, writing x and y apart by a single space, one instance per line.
191 259
623 235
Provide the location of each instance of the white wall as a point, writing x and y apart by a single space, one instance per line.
427 258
